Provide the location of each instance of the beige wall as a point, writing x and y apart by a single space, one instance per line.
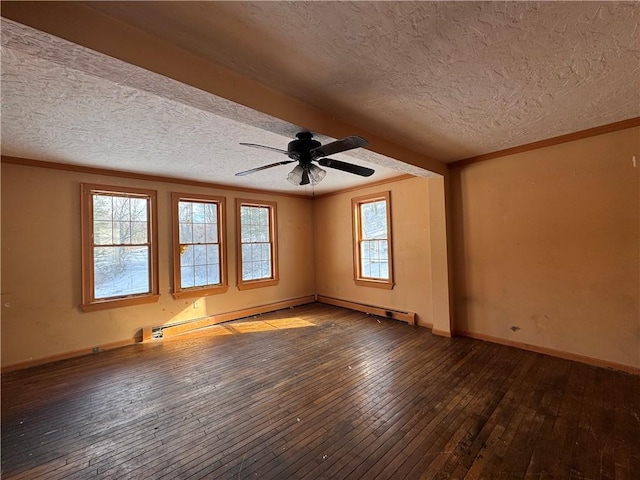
546 249
410 217
547 243
41 265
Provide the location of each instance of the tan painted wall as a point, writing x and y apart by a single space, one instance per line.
411 249
548 242
41 265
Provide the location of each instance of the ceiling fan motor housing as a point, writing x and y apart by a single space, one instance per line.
300 149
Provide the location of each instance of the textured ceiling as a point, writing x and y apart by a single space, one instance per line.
451 79
448 80
67 104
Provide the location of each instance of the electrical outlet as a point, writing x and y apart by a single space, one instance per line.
195 304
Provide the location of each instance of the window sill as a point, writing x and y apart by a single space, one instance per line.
119 302
388 285
200 292
257 284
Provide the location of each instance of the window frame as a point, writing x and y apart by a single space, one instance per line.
358 278
89 302
273 232
223 286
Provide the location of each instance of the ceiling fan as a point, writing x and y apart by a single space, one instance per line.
305 150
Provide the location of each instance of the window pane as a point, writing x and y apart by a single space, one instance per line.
198 233
187 277
139 207
384 250
262 233
246 253
384 270
262 216
102 207
102 232
256 271
200 275
245 223
139 232
256 253
198 212
120 271
374 259
121 209
253 217
247 271
186 257
266 269
186 233
375 269
213 274
121 232
211 232
213 254
364 262
374 219
184 212
199 254
211 212
245 233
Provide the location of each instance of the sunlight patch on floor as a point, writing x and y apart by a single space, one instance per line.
244 327
290 323
266 325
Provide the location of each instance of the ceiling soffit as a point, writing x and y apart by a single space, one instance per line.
65 103
83 26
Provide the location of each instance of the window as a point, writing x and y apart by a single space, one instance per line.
372 251
199 260
119 255
257 244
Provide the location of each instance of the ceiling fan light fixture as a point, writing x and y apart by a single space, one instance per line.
295 176
316 174
305 150
306 174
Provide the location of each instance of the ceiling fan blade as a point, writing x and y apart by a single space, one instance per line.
338 146
257 169
346 167
264 147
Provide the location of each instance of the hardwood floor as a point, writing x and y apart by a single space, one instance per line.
319 392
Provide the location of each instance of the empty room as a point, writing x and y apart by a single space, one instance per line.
304 240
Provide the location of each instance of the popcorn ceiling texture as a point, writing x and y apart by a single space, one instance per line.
68 104
449 80
452 79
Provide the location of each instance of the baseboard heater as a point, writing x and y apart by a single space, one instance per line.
409 317
170 330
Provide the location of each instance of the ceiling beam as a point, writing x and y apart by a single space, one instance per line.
84 26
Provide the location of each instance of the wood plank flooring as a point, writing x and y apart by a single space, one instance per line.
319 392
